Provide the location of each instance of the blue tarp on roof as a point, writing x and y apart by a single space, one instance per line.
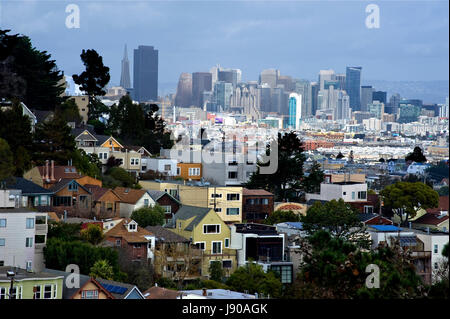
386 227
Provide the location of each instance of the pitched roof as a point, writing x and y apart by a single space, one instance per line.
61 172
165 235
442 206
63 183
161 293
366 217
111 287
120 230
156 195
27 187
256 192
129 195
67 292
98 192
186 212
290 206
431 219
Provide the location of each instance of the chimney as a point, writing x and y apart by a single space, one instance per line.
53 171
46 176
204 293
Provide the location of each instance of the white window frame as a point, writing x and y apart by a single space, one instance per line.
29 242
4 242
26 223
51 291
2 293
212 247
37 292
239 211
212 225
238 196
3 219
225 243
436 248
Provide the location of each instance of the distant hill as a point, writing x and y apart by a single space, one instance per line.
427 91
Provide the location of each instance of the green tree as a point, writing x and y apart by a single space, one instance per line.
92 234
6 161
406 199
93 80
52 140
102 269
64 231
253 279
285 182
443 191
149 216
117 176
87 164
28 74
68 111
216 271
311 183
15 129
282 216
334 268
438 171
337 217
416 156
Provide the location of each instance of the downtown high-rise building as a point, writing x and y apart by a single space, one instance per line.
380 96
314 94
326 75
342 110
366 97
270 77
201 81
295 111
394 102
145 74
222 95
341 79
183 96
353 86
125 81
304 89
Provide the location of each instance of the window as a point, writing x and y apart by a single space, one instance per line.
37 292
178 171
2 263
353 195
436 266
344 193
136 245
233 211
232 175
167 209
233 163
118 242
214 195
3 222
73 187
362 195
232 196
29 242
179 225
29 265
265 201
2 293
200 245
167 167
368 209
285 273
173 192
146 202
131 227
194 171
30 223
227 242
218 210
211 229
2 242
436 247
39 239
226 263
216 247
89 294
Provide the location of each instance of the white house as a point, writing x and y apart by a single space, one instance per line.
348 191
162 165
133 199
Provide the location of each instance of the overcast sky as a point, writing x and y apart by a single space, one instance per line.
297 37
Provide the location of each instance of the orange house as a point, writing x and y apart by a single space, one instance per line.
112 144
87 180
188 171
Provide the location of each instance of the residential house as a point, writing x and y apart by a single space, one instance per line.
296 208
166 201
257 205
32 195
156 292
216 294
166 166
174 255
106 203
432 221
374 219
82 102
145 156
23 235
71 197
132 199
264 245
225 200
208 232
189 171
29 285
135 241
408 240
7 105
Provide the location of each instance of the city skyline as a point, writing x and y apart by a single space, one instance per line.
251 36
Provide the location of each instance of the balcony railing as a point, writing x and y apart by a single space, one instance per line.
42 228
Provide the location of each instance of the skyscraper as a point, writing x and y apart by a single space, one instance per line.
303 88
125 81
201 81
314 97
145 74
222 94
342 110
269 76
325 75
353 85
380 96
366 97
295 111
183 96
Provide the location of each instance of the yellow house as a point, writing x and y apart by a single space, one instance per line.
226 200
112 144
209 233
